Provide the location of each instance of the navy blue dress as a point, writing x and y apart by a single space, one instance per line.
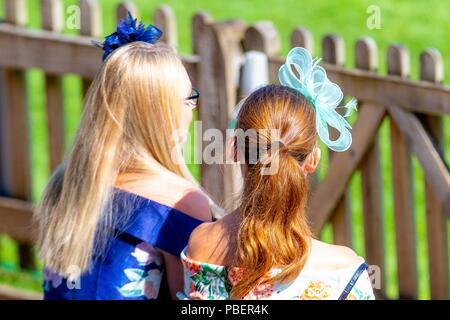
131 267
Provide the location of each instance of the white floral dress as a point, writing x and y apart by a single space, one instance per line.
205 281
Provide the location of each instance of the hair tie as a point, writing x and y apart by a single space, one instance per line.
127 32
311 81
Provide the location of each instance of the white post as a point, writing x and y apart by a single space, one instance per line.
255 72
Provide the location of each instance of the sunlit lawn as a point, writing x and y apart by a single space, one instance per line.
417 24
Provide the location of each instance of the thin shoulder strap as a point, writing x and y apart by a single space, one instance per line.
352 281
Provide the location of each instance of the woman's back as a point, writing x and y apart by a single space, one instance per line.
134 264
327 272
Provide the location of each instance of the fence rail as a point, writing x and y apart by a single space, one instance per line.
415 110
7 293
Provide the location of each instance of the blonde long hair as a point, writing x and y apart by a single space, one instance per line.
273 230
130 114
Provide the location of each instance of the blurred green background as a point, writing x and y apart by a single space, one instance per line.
418 24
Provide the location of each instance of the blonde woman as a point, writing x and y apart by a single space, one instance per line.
115 217
265 249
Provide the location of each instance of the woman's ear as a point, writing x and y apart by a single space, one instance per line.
312 161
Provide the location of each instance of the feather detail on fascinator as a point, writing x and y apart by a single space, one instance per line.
311 80
129 31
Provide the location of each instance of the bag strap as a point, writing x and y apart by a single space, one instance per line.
353 280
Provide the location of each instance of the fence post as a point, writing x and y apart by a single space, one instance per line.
431 69
264 37
52 14
123 9
16 12
90 18
398 64
302 37
90 27
165 20
333 49
15 146
366 56
254 73
199 27
199 22
333 53
219 50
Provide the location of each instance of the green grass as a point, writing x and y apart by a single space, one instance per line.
416 24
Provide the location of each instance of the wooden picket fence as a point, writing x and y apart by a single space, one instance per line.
415 109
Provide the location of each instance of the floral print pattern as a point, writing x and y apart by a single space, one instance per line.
146 254
316 290
209 281
144 281
234 275
263 291
205 281
358 294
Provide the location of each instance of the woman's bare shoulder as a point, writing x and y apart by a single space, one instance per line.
329 256
209 242
177 193
195 203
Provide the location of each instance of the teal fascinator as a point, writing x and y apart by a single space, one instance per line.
311 80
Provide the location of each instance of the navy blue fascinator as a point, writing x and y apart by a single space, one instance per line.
129 31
